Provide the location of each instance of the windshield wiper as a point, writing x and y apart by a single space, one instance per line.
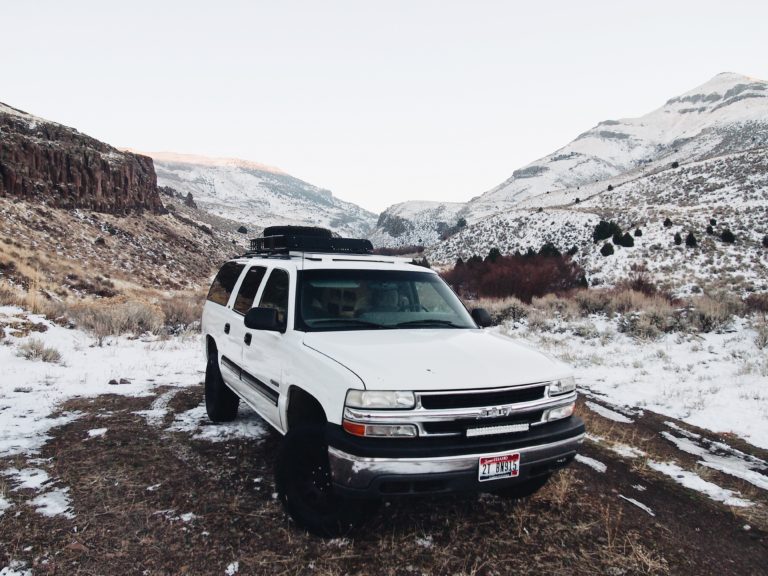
356 321
429 322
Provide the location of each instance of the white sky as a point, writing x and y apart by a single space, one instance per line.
379 101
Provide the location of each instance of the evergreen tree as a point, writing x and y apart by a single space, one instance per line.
549 249
690 240
607 249
493 255
678 238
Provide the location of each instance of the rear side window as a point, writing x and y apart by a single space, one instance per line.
275 294
248 289
224 283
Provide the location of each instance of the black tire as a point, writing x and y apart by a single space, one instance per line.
220 402
303 479
524 489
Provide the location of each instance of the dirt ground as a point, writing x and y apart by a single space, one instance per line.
147 500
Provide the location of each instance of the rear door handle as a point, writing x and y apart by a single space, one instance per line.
226 328
247 339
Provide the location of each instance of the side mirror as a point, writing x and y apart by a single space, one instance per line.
481 317
263 319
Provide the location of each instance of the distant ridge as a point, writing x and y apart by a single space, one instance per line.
213 161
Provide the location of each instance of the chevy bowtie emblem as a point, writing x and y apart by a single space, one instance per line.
494 412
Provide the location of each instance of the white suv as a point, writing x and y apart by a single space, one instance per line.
380 380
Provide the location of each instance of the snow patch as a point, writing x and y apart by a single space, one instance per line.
232 569
4 504
27 478
24 416
733 462
640 505
16 568
94 432
196 422
591 462
155 415
695 482
608 413
54 503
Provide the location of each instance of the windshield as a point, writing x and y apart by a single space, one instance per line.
376 300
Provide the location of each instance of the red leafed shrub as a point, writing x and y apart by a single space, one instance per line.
399 251
521 276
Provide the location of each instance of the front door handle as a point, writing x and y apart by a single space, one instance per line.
226 328
247 339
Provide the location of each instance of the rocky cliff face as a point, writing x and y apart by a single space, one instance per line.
47 162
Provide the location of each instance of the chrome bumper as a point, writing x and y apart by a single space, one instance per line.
357 472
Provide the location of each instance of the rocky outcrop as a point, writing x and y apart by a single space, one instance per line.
47 162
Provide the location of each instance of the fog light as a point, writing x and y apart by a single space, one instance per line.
380 430
559 413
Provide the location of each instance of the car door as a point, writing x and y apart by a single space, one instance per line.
264 356
217 316
242 302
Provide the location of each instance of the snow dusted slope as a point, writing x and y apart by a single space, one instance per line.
731 190
728 114
258 195
416 223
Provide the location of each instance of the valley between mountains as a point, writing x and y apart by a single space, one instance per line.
108 463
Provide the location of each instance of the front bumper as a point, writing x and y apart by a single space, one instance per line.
449 468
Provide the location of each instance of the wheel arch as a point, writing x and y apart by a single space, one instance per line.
210 346
303 409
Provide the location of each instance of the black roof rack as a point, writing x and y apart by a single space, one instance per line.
285 239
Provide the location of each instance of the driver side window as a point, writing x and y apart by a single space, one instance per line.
275 294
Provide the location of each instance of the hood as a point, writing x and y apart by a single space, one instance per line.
435 359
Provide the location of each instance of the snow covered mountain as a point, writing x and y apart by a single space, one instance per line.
258 195
700 163
725 115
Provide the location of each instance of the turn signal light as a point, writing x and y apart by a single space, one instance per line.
380 430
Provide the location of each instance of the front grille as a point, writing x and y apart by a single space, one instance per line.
460 426
479 399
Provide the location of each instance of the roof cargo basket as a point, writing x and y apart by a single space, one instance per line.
297 231
285 239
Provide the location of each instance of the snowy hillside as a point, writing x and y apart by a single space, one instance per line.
258 195
731 190
728 114
416 223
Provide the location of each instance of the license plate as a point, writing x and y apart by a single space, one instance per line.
497 467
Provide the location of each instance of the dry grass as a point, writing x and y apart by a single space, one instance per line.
35 349
555 306
761 336
640 315
182 310
501 309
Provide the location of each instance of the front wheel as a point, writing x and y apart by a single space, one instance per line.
220 402
303 478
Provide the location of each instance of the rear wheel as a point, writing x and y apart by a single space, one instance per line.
220 402
524 489
303 478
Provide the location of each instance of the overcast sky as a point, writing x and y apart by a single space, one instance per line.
379 102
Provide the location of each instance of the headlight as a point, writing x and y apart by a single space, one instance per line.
380 399
562 386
